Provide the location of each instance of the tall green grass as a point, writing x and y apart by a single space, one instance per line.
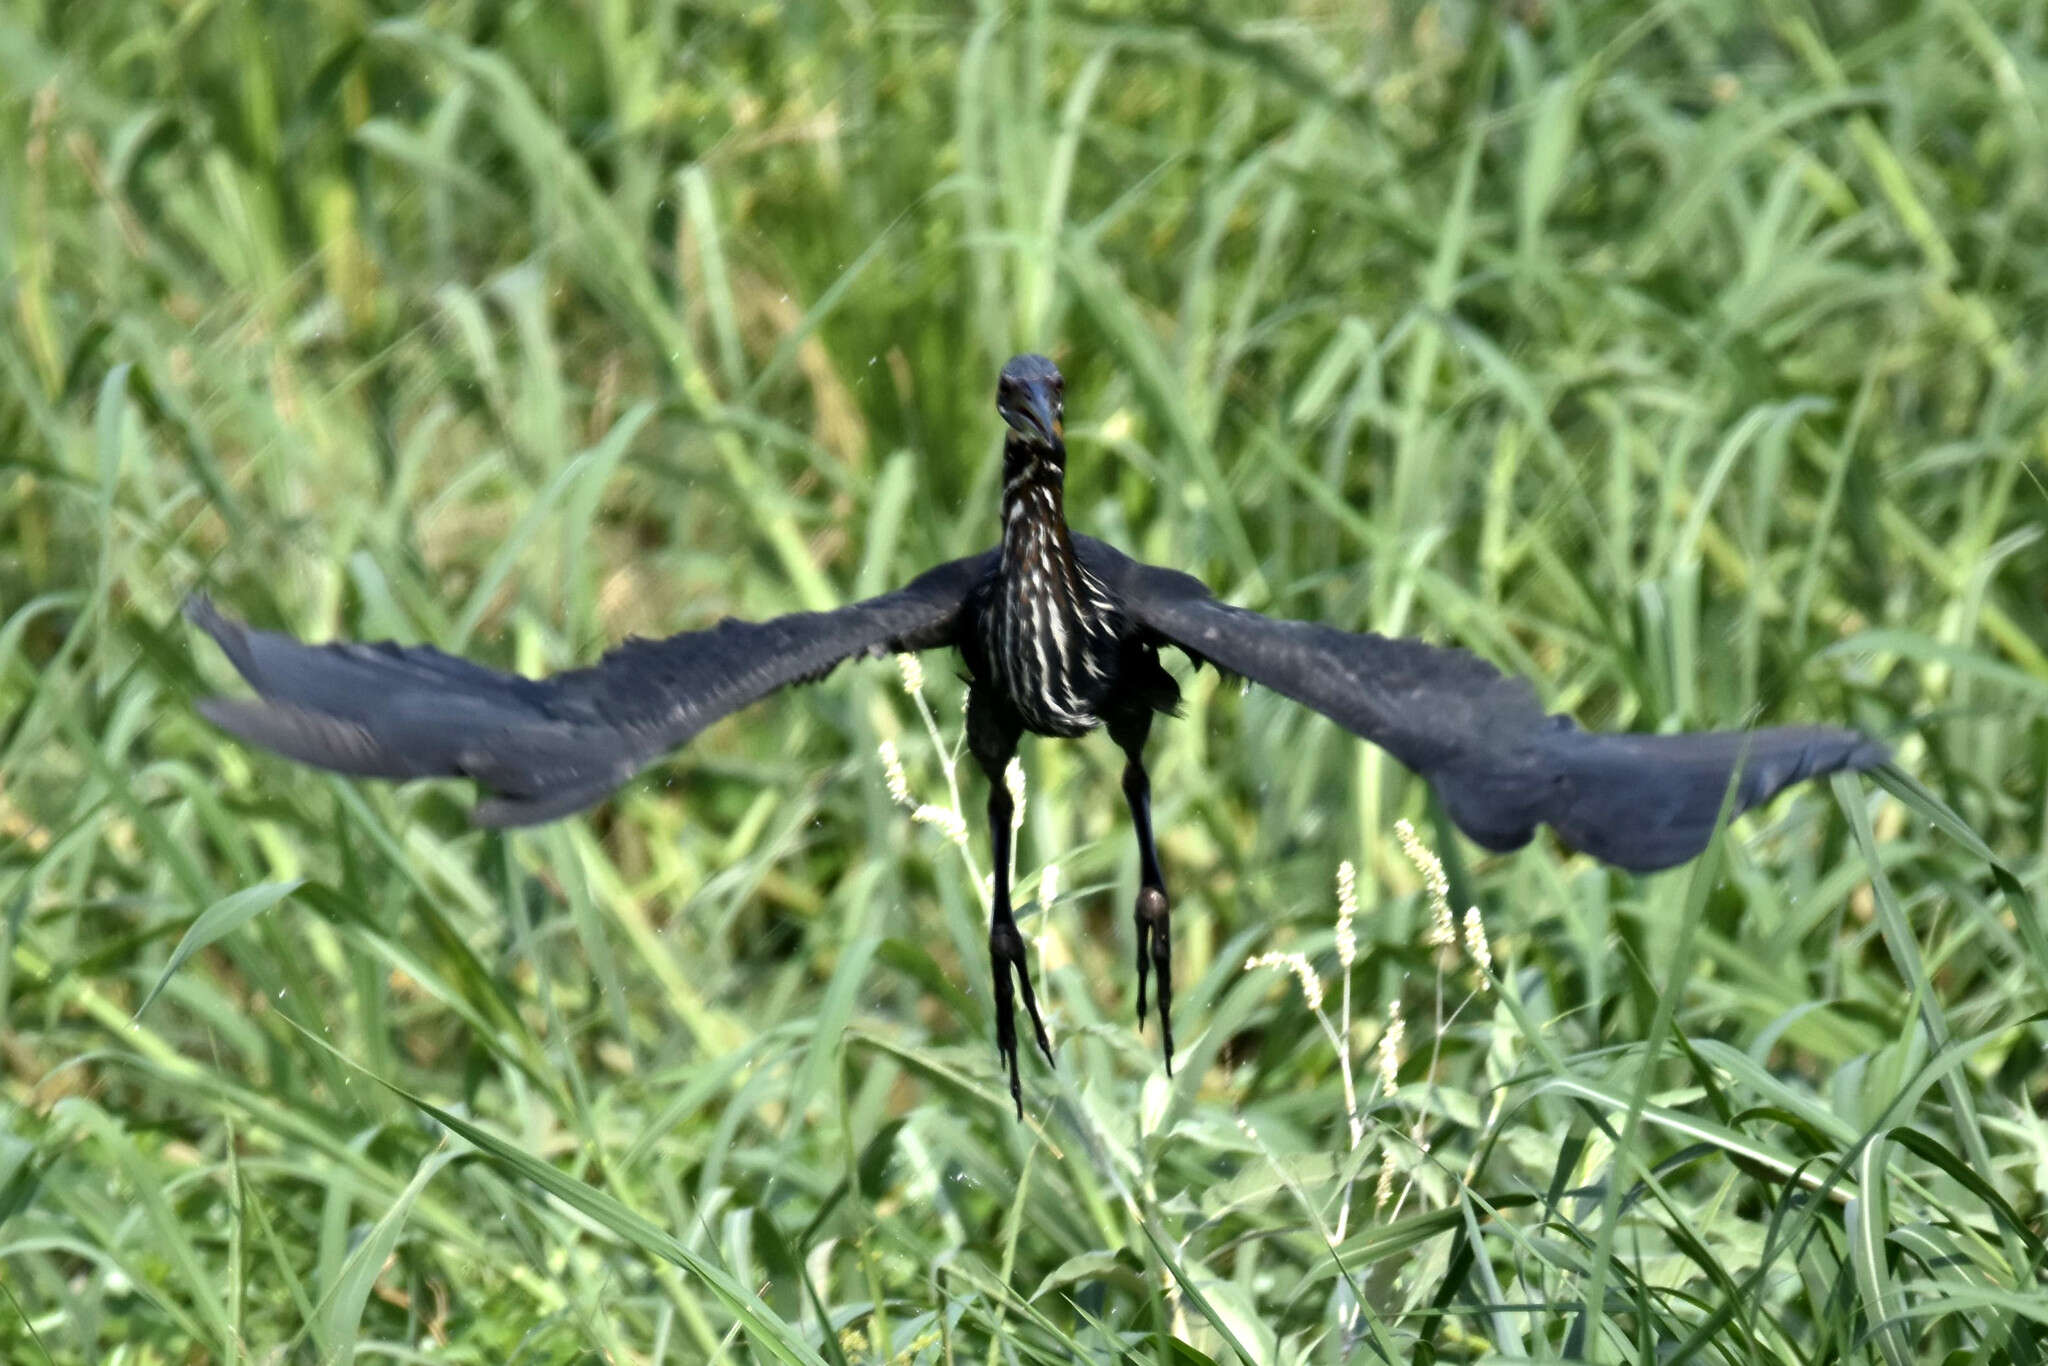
1688 359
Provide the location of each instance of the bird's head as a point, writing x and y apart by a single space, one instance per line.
1031 396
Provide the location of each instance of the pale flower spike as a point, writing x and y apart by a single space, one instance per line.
1476 945
1013 778
946 820
892 771
912 669
1049 884
1298 964
1347 912
1385 1190
1443 930
1390 1047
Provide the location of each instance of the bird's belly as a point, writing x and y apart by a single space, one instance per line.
1042 716
1057 672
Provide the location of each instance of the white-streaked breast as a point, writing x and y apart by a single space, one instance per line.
1051 633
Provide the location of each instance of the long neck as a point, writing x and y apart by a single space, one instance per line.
1034 510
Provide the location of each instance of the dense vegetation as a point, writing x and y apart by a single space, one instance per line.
1687 358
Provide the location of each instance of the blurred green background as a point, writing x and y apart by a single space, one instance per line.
1687 358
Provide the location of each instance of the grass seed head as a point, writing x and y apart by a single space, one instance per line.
1013 778
945 820
1389 1051
1443 930
912 670
1298 964
1347 912
1476 945
892 772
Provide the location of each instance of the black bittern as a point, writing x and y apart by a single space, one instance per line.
1060 634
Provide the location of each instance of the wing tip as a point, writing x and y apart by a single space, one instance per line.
220 711
199 610
1820 752
1637 816
230 635
314 737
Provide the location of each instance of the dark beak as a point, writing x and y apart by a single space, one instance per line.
1035 412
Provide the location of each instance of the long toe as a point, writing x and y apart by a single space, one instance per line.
1155 950
1166 1034
1006 1047
1031 1009
1166 1037
1151 906
1006 952
1006 1016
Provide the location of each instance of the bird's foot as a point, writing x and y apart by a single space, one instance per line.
1006 955
1155 954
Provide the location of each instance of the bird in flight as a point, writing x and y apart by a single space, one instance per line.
1060 634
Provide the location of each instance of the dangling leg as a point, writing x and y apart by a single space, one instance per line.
992 737
1154 914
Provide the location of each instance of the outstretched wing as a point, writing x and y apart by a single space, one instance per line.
1482 739
546 747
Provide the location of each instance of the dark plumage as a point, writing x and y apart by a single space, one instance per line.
1060 634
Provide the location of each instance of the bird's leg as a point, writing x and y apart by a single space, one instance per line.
1005 940
1154 913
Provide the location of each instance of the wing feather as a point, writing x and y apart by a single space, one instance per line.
547 747
1481 738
